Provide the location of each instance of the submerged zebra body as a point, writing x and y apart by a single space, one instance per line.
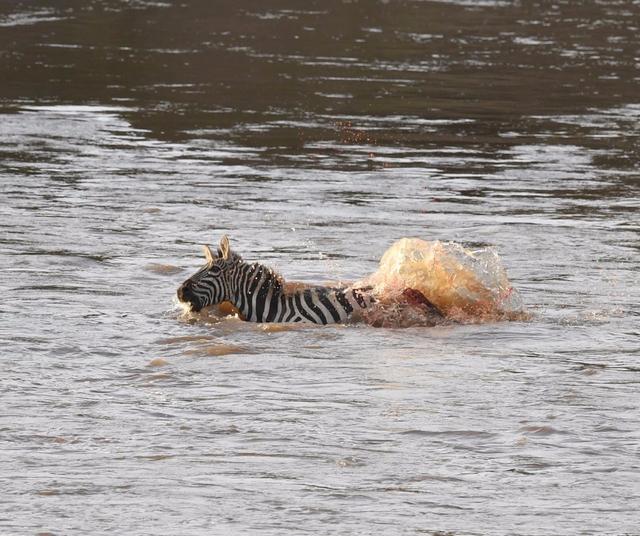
261 295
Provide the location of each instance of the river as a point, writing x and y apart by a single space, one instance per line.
315 134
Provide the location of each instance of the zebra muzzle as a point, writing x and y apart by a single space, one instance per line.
186 295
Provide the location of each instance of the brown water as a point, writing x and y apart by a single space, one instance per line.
315 134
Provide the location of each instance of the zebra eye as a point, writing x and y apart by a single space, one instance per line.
215 270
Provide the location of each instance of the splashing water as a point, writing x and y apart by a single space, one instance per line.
467 286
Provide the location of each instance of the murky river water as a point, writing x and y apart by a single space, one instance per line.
315 134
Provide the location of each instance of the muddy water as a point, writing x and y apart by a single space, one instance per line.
315 136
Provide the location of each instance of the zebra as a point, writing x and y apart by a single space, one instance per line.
261 295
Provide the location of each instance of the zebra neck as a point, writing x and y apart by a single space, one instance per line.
258 292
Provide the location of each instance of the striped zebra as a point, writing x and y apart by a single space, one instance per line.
261 295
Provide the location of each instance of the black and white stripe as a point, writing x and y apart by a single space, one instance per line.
260 296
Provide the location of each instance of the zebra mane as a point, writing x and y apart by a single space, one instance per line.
234 257
277 278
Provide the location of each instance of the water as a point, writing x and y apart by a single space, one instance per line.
315 136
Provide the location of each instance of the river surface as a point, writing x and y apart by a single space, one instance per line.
315 134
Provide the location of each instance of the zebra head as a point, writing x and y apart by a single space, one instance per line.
210 285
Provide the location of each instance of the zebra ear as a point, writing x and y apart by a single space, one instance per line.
208 254
224 250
